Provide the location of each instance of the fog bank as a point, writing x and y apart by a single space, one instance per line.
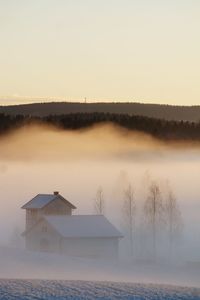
39 159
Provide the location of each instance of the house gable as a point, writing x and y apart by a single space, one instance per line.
58 206
40 226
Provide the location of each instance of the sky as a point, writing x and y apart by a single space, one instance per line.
104 50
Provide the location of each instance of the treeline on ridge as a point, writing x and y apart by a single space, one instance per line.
159 128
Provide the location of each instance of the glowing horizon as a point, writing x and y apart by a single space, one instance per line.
6 101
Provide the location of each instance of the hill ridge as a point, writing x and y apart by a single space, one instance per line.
160 111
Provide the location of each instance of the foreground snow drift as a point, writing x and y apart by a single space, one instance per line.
49 289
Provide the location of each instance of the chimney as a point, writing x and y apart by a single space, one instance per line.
56 193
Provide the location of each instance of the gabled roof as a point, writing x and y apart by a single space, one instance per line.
83 226
42 200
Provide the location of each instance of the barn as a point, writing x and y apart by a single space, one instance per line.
51 227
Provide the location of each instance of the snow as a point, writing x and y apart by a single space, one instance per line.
39 201
83 226
80 279
91 290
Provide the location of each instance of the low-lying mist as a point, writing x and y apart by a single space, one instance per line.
40 159
105 141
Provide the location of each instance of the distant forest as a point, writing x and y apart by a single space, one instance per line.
167 112
159 128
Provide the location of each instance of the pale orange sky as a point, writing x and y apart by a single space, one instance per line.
105 50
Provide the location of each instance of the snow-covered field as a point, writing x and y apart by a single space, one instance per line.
44 289
19 263
79 278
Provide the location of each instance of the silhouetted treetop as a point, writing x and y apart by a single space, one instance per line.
159 128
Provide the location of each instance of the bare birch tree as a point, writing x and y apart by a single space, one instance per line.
153 212
99 202
130 213
173 218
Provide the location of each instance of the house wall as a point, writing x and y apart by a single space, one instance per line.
83 247
56 207
32 216
90 247
41 233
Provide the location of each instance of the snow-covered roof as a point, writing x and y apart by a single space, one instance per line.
79 226
42 200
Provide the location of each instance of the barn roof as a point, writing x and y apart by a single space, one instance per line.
83 226
42 200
